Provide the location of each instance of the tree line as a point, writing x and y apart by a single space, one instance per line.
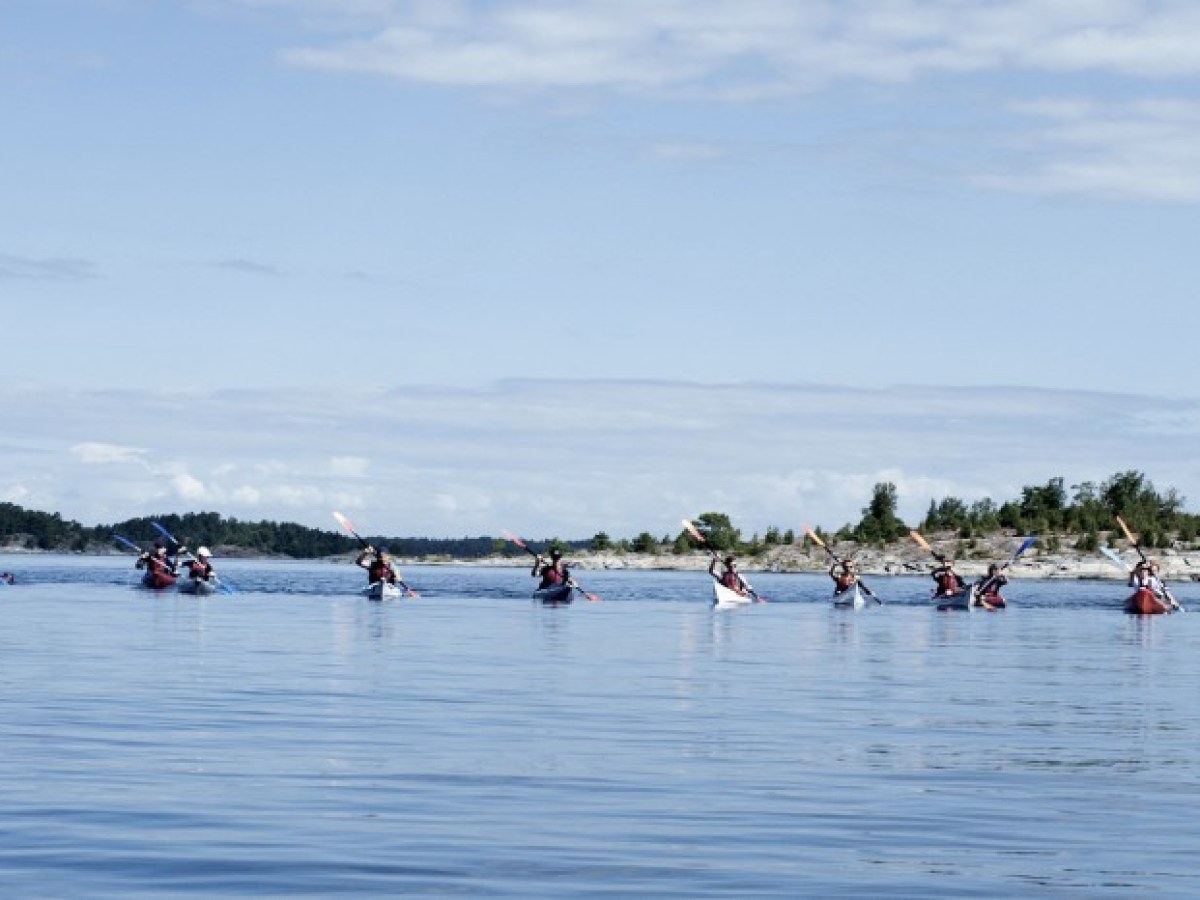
1087 511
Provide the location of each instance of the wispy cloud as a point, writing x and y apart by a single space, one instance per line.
1139 150
51 268
571 458
751 51
248 266
766 46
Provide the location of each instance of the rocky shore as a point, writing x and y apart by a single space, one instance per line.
899 558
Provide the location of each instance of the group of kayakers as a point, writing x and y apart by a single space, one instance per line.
844 574
162 565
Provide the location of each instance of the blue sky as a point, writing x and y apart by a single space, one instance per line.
360 200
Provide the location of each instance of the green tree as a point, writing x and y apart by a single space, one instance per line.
880 523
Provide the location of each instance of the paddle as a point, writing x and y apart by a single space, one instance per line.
508 535
225 588
1132 538
1112 556
345 523
815 538
699 536
924 544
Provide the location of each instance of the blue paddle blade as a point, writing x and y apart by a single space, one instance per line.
170 537
1114 557
1029 542
128 543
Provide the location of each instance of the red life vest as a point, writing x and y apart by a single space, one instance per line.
731 580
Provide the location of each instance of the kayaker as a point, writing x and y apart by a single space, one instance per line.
200 568
551 573
988 591
378 566
729 577
157 562
948 581
843 575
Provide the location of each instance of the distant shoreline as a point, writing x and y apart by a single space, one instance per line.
894 559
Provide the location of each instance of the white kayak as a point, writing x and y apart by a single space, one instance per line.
724 598
381 590
554 595
851 598
198 586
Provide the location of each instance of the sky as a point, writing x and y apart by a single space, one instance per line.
574 266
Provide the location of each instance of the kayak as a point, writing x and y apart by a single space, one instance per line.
198 586
1144 602
963 599
157 581
991 601
555 595
381 590
850 598
724 598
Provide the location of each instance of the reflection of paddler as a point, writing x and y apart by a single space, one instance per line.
6 577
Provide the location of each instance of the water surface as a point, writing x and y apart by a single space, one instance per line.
297 739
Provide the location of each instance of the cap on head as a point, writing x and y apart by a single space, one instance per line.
556 553
203 551
382 550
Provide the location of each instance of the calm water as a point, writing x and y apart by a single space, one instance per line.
299 740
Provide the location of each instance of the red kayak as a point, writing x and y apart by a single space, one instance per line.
158 580
1144 602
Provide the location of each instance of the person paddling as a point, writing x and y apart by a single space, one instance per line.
552 573
949 583
988 592
844 576
157 563
378 564
200 568
730 577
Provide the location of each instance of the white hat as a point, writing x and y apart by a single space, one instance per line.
203 551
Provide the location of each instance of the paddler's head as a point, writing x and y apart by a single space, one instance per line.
993 569
203 553
382 552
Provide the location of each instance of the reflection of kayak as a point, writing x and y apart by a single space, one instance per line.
381 590
158 580
1144 602
556 595
197 586
850 598
724 598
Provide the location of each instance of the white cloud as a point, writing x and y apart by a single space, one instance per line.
571 458
1138 150
189 488
349 466
99 453
767 46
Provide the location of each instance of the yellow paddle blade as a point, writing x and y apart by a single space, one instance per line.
693 531
1129 535
812 536
924 544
